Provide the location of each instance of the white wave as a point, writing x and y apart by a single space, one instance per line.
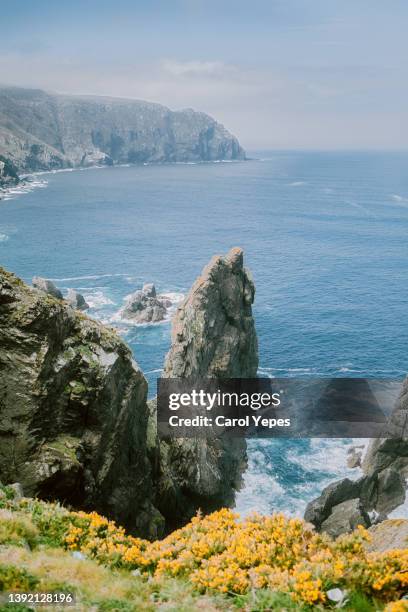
4 237
10 193
297 183
89 277
259 488
97 299
398 198
330 455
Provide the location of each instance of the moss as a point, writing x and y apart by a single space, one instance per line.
64 445
13 578
17 530
77 387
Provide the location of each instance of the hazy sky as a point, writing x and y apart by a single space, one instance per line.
277 73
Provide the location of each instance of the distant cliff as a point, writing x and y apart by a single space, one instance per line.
42 131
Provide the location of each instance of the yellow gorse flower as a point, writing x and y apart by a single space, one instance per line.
224 553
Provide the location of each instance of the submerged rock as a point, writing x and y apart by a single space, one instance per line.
145 306
46 286
73 408
213 334
76 300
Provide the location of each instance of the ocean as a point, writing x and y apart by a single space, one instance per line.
324 234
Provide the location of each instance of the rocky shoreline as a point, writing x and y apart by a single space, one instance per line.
77 426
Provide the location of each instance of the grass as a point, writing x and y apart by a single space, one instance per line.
35 556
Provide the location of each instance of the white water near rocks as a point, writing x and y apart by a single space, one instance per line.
324 236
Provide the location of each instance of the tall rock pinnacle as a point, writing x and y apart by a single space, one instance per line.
213 332
213 335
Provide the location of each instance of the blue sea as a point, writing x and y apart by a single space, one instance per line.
324 234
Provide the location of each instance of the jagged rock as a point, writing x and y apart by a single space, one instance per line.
73 410
18 490
75 423
391 534
144 306
345 517
390 490
8 173
213 334
46 286
318 510
149 289
213 331
354 457
42 131
76 300
385 465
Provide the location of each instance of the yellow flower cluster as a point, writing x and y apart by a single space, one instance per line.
224 553
101 539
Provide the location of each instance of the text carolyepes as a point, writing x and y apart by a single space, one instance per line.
223 421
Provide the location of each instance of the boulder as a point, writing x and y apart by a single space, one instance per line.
354 457
318 510
345 517
391 534
76 300
391 488
385 466
144 306
46 286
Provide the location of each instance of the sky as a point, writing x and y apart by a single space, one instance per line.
280 74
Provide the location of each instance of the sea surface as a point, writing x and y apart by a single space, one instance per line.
324 234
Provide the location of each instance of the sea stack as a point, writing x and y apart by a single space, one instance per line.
213 335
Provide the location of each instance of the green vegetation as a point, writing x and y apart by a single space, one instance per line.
45 547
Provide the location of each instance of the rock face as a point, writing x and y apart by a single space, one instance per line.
145 306
354 457
213 331
76 300
8 173
385 467
389 535
213 334
42 131
73 409
345 517
46 286
75 424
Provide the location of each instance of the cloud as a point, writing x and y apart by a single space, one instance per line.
196 68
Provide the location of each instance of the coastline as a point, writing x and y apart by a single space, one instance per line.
27 182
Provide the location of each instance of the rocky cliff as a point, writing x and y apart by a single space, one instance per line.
42 131
73 409
345 504
8 173
213 335
75 424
